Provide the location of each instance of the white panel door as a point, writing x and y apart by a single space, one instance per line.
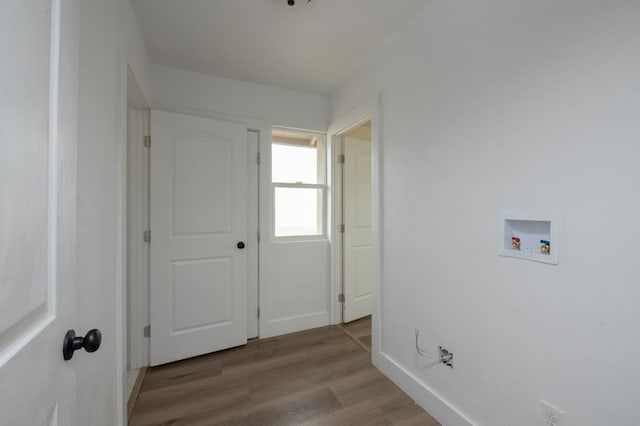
357 220
199 193
37 210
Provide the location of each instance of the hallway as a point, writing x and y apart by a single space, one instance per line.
315 377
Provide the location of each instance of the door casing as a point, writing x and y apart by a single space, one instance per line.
253 141
257 200
368 110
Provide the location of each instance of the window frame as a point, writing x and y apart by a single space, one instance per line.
322 187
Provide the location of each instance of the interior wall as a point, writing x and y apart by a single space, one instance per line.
498 106
292 298
109 41
298 294
184 91
136 49
97 231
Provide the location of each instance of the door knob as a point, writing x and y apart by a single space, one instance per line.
240 245
90 342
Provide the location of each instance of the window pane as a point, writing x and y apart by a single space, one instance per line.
298 211
291 164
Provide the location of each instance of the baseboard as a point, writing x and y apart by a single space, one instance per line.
293 324
445 413
133 398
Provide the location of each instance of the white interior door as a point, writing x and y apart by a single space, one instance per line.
37 211
357 236
199 268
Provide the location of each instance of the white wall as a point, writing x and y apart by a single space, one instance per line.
294 277
136 49
519 106
97 231
298 296
108 40
183 91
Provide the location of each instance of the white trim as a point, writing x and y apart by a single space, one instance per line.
121 230
377 223
138 221
367 111
299 185
54 83
253 207
439 408
296 323
297 238
135 94
265 220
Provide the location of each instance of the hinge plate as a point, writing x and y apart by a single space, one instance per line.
147 331
341 298
258 158
341 228
258 312
146 236
341 159
147 141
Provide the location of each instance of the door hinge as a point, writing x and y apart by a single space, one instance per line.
341 298
258 235
341 159
147 331
147 141
258 158
146 236
342 229
258 312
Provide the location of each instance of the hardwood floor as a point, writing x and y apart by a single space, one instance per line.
315 377
360 330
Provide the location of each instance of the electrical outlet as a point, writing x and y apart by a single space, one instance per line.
551 416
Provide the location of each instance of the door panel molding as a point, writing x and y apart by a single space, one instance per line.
194 331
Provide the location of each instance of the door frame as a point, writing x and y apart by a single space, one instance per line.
258 200
347 262
121 227
370 110
137 286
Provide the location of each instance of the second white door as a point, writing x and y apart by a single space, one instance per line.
199 261
357 221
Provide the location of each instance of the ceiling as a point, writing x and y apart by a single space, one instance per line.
312 48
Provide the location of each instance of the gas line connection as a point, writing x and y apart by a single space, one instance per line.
444 355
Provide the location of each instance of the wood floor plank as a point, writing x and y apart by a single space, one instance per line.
315 377
364 413
230 400
422 419
182 372
360 327
294 409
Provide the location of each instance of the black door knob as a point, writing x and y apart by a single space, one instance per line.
240 245
90 342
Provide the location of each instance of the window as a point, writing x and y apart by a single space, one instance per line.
298 176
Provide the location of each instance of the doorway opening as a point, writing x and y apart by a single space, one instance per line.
354 218
136 299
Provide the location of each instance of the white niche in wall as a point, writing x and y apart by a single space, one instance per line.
525 235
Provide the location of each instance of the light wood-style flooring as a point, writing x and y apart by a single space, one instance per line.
315 377
360 330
